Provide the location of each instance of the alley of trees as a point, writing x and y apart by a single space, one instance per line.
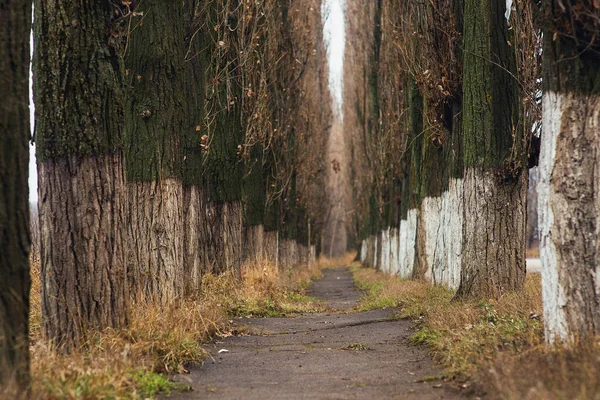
178 139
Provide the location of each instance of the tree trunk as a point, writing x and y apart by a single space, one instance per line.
79 126
197 59
15 27
194 266
532 210
225 136
271 247
156 122
568 175
156 232
495 180
411 194
254 244
83 250
254 206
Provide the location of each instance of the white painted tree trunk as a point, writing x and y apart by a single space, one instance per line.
443 222
408 244
569 210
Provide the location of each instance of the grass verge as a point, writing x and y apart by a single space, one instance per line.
495 346
135 363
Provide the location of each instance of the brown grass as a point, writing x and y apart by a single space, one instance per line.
495 346
533 253
132 363
540 373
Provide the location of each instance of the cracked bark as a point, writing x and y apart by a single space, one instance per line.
568 203
493 253
82 193
155 124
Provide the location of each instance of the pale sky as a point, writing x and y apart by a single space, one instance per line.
334 32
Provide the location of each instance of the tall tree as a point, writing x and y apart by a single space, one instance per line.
223 173
568 172
254 205
15 29
495 174
78 75
193 146
155 125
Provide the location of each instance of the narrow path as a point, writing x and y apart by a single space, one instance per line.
334 355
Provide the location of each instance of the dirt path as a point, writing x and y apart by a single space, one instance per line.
334 355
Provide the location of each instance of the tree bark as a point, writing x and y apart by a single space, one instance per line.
254 244
83 249
194 266
532 209
156 122
197 60
15 28
271 247
254 202
225 134
495 180
79 126
569 204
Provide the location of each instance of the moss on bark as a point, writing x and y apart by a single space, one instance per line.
156 101
491 97
84 77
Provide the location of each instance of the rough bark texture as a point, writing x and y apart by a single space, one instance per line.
193 258
288 254
569 205
272 247
156 229
196 60
254 244
569 210
495 182
15 25
493 251
83 250
156 122
222 240
79 126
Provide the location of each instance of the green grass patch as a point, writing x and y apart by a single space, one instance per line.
150 384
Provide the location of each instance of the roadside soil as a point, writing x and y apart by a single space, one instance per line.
342 354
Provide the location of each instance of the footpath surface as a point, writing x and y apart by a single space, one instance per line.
336 355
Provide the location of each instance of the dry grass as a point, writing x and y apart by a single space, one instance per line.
463 335
533 253
495 346
557 374
135 362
